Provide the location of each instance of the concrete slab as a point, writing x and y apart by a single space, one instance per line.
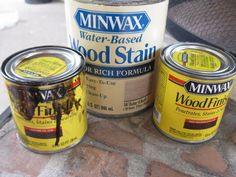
37 25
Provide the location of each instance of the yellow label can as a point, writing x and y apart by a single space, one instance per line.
47 92
193 87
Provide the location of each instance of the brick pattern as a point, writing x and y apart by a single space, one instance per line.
14 158
158 169
113 136
154 132
208 158
122 148
89 161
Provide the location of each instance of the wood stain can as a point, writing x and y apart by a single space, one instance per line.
120 40
193 87
48 97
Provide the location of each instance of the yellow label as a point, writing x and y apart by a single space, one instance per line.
189 109
197 60
121 45
50 118
41 67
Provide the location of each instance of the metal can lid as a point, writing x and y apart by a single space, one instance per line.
199 61
121 2
44 65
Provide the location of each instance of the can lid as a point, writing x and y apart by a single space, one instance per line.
121 2
199 61
44 65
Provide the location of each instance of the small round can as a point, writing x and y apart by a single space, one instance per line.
48 97
193 87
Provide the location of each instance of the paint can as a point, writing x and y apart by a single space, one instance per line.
48 97
193 87
120 40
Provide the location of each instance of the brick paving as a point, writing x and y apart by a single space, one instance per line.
207 157
15 159
157 169
130 147
108 133
90 161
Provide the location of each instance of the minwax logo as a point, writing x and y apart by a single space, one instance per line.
208 89
134 22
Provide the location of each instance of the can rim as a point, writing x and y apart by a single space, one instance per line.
122 3
227 70
77 59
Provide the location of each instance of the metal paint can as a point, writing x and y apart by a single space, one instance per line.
48 97
120 40
193 87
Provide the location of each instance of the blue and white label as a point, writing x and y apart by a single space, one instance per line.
96 21
121 46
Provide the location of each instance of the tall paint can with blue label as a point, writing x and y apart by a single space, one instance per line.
120 41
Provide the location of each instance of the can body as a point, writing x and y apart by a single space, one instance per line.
190 97
49 114
120 43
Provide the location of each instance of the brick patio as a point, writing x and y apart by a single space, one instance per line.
134 149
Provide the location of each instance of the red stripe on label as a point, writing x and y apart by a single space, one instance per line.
176 80
200 124
201 121
200 109
74 84
48 130
47 133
